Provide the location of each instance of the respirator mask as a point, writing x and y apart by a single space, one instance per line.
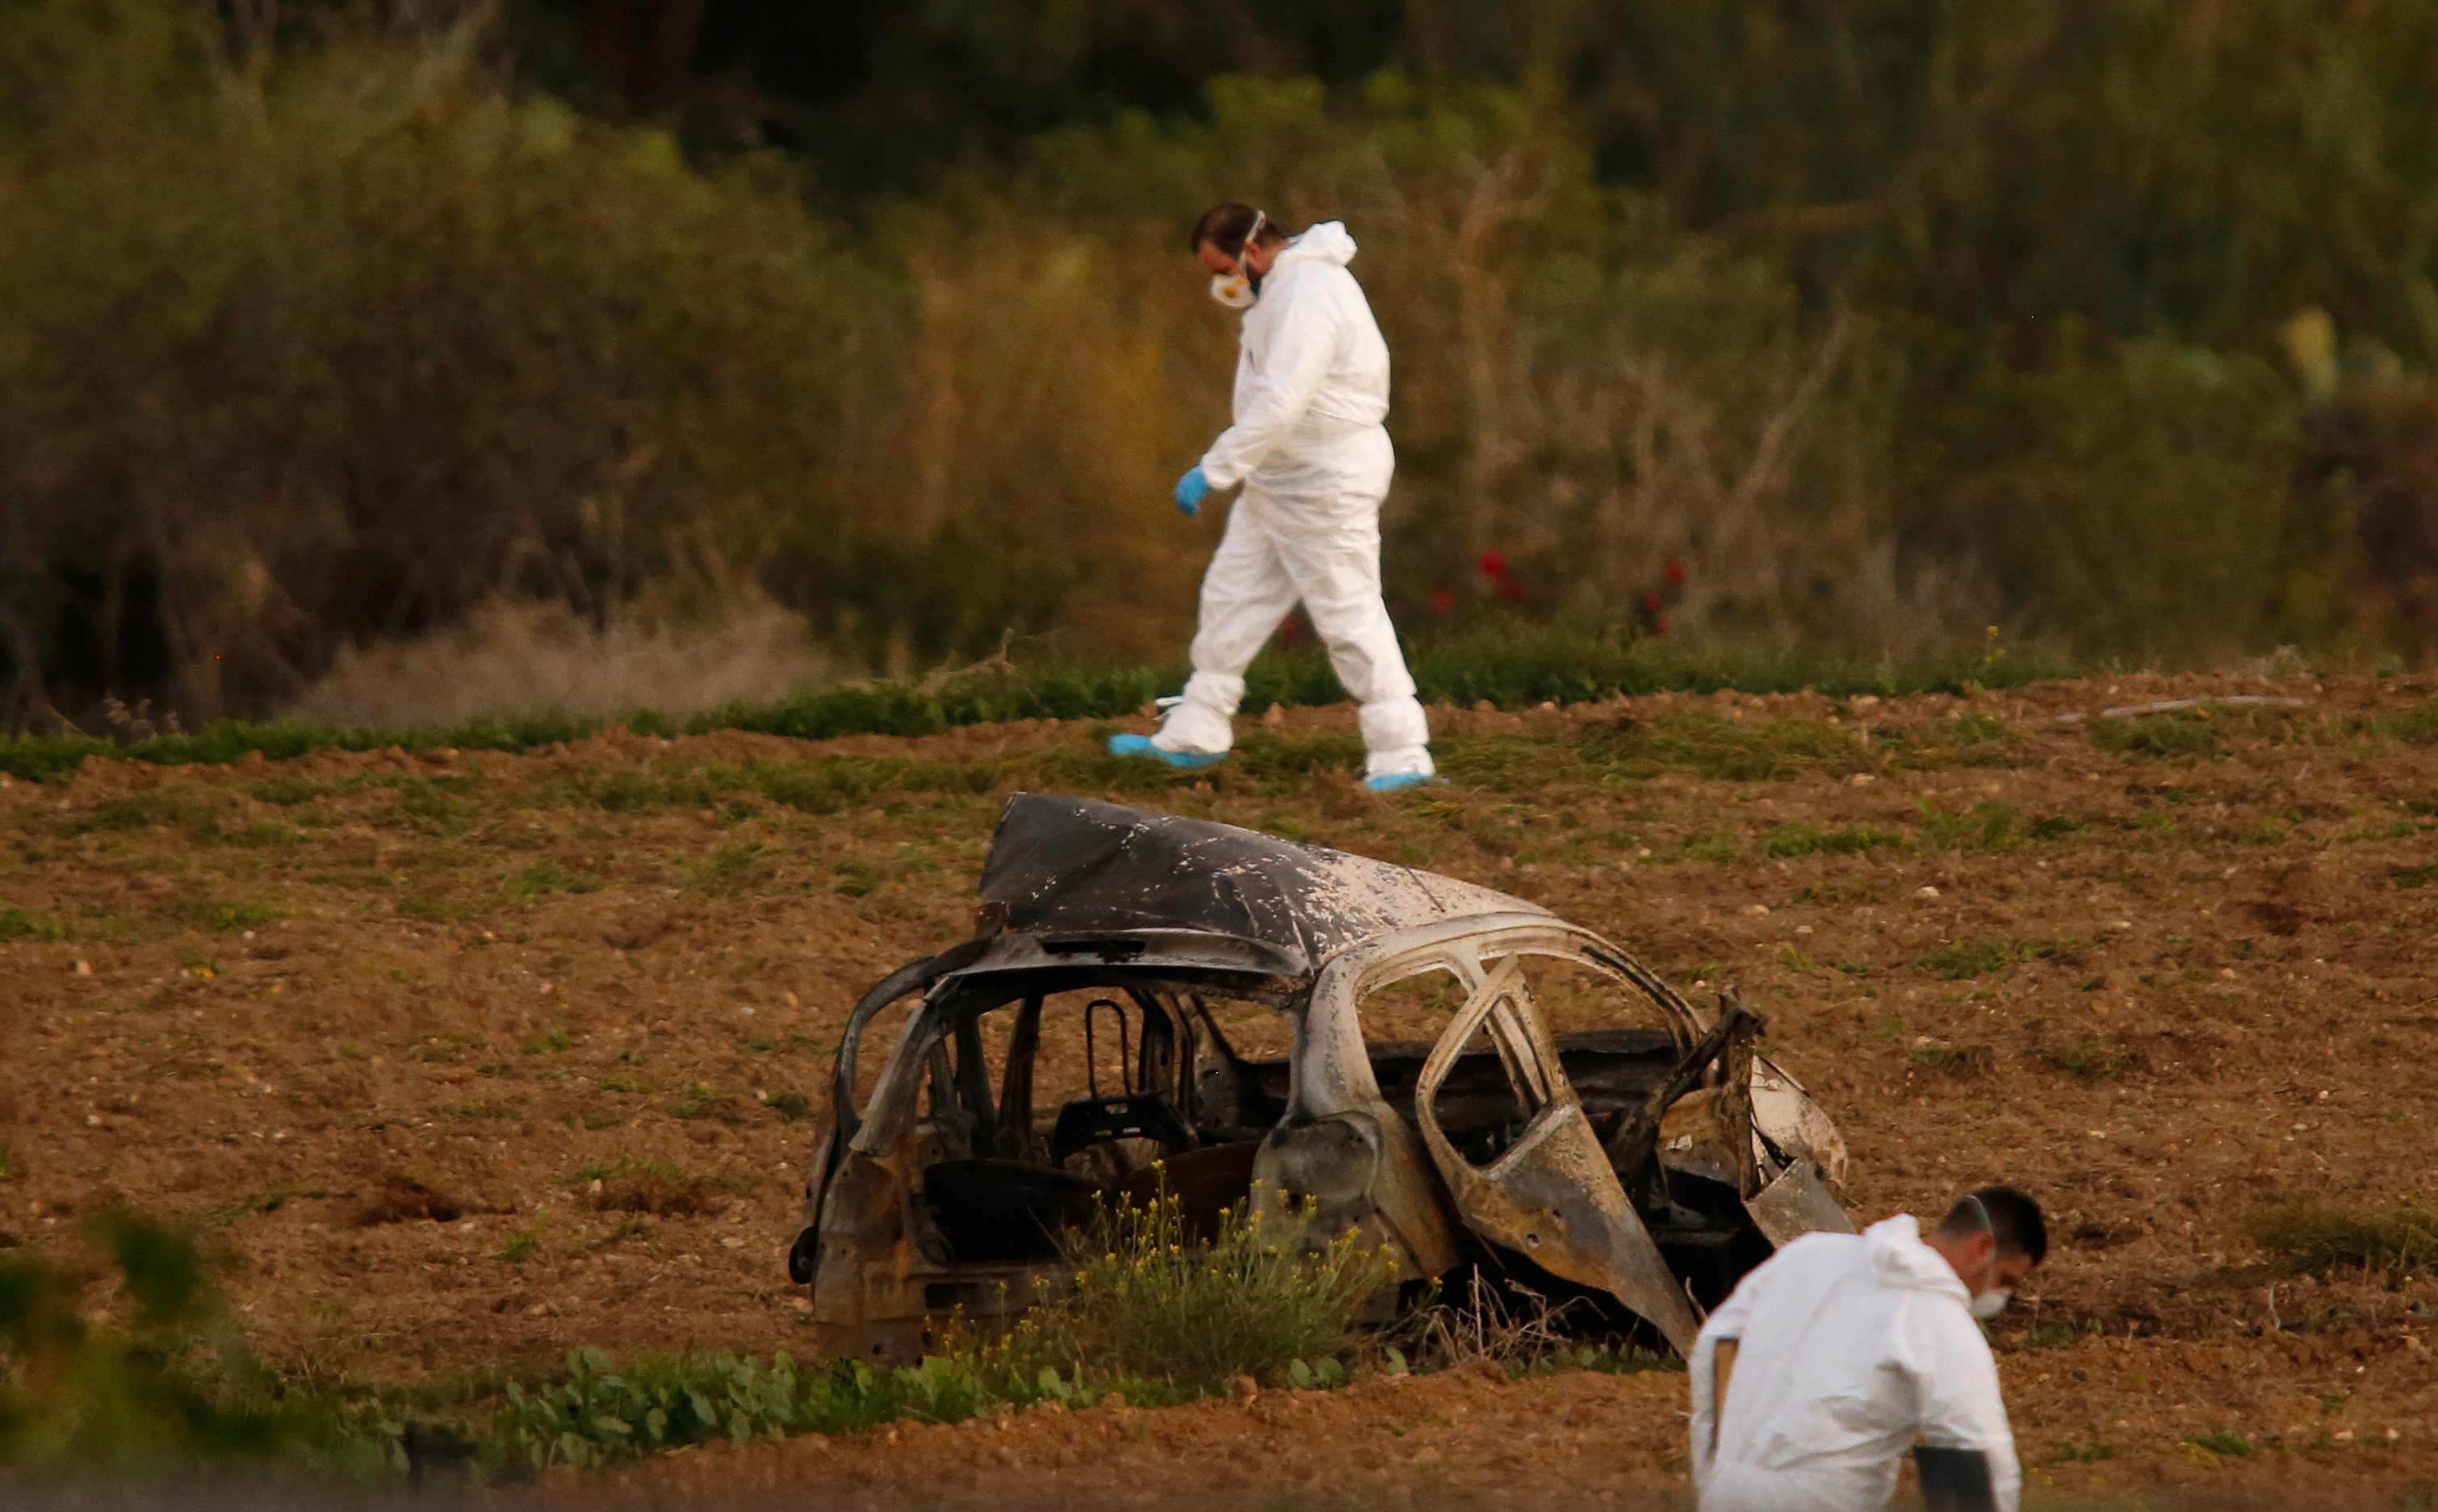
1993 1302
1237 290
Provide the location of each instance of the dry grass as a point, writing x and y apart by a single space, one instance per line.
2311 1237
517 658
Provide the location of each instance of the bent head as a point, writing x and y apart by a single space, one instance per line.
1994 1238
1232 238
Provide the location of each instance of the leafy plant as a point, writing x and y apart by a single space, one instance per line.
164 1374
1150 1302
2222 1441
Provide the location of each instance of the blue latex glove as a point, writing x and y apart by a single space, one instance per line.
1190 490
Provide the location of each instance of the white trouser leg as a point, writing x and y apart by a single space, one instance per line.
1245 593
1335 564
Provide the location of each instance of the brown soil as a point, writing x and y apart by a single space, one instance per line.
460 1077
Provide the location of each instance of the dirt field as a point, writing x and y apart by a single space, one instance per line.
470 1060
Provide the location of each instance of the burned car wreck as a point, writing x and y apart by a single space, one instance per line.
1096 1040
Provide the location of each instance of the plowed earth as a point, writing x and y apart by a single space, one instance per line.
465 1062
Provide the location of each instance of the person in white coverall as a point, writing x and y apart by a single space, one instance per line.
1843 1351
1308 445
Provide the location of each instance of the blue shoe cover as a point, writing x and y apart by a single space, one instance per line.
1141 745
1399 781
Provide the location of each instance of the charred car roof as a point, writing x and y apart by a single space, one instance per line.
1075 876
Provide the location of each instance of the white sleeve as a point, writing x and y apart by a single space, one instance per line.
1955 1384
1302 349
1727 1322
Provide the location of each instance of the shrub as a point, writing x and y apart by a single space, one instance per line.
1151 1302
160 1375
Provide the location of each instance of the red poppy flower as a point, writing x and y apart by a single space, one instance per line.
1674 571
1650 604
1443 601
1494 564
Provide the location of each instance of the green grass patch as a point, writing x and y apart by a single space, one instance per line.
626 1183
2087 1059
2416 726
1509 666
434 910
1803 837
2184 735
482 1113
2311 1235
1989 825
2089 1451
16 923
1701 741
523 1244
1963 958
545 877
225 914
734 871
2420 877
2223 1442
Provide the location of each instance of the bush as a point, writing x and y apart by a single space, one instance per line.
1150 1302
171 1380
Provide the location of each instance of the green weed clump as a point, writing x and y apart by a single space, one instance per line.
1803 837
1962 959
2311 1235
600 1414
2166 736
1715 747
2088 1059
1150 1302
2416 726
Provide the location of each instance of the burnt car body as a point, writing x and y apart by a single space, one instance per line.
1644 1163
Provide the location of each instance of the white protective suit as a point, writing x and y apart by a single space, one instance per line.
1311 387
1851 1350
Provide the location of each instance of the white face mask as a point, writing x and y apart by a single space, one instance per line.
1236 290
1989 1304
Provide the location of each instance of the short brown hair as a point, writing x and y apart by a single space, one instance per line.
1227 225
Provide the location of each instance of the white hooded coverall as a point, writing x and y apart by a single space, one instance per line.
1311 387
1851 1350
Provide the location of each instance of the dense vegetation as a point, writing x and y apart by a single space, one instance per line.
1866 325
